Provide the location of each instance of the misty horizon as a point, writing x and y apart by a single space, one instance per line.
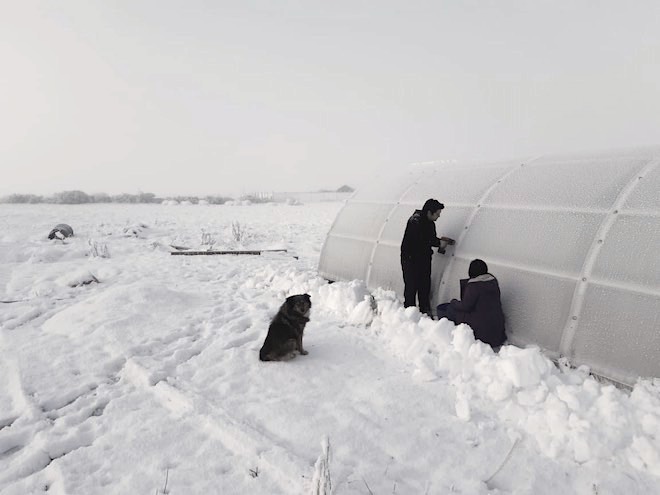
232 98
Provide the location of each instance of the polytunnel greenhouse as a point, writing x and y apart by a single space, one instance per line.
574 241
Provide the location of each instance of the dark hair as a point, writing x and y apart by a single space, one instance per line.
477 267
432 205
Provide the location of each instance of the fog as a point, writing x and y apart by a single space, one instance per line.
236 97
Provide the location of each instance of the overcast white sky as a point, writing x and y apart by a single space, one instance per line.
202 97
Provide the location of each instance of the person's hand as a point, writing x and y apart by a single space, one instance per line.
444 242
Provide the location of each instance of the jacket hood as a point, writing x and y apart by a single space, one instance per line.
486 283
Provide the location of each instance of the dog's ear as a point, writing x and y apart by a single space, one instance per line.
309 298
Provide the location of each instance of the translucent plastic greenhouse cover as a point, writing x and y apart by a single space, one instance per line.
574 241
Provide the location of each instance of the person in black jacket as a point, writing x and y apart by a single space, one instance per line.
480 305
416 254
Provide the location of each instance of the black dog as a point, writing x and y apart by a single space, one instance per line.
285 332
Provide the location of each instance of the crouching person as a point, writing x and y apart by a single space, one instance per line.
480 305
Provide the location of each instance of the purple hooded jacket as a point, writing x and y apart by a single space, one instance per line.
481 308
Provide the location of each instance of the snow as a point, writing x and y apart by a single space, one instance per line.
128 370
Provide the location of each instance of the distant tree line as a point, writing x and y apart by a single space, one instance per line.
342 189
80 197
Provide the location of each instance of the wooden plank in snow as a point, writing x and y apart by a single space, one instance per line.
203 253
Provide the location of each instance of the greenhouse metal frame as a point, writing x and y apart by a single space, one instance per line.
573 239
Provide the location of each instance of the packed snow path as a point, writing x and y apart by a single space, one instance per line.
148 381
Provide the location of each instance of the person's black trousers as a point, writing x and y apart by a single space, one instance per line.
417 282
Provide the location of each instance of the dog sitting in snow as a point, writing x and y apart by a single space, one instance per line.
285 332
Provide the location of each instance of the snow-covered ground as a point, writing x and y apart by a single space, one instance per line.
138 372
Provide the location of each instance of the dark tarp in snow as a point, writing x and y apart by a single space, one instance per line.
61 231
